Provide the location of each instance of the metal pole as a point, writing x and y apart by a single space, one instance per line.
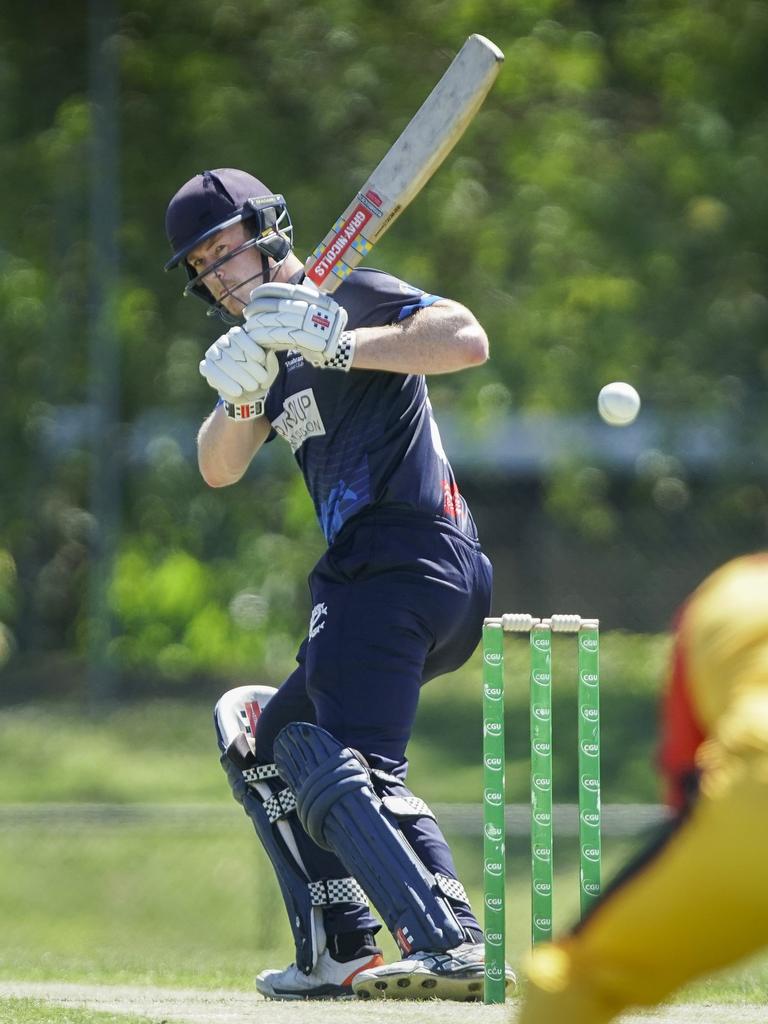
103 385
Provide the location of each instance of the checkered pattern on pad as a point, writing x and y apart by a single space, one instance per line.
328 891
451 887
260 772
280 805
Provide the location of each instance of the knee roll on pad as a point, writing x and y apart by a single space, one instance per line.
238 710
339 808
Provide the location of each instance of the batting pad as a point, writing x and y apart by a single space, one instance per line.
270 806
339 809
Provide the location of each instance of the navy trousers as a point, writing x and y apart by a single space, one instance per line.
395 603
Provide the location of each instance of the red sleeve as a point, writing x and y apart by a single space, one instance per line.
681 733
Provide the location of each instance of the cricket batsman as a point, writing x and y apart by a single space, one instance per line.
698 900
398 598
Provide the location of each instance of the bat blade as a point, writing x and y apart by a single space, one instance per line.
428 138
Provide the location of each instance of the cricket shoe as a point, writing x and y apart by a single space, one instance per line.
330 979
453 974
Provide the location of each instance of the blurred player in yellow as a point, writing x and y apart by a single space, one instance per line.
697 900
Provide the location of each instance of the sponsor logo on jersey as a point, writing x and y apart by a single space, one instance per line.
293 361
300 419
317 619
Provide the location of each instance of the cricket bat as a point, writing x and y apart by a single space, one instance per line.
428 138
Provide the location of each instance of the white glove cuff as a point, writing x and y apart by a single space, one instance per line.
244 410
343 353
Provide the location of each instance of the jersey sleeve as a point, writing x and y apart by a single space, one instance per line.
373 299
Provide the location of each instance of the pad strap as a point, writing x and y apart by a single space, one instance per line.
407 807
280 805
260 772
329 891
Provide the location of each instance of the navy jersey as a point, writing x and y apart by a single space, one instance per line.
366 439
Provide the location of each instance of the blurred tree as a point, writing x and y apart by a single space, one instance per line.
606 217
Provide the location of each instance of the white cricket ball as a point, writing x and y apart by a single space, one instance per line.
618 403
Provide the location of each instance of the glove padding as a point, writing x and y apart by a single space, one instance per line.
297 317
241 371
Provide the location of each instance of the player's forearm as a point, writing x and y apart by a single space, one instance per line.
442 338
225 447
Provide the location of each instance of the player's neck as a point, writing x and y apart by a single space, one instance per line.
288 269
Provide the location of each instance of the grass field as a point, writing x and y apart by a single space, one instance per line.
198 907
91 1004
188 899
167 906
35 1011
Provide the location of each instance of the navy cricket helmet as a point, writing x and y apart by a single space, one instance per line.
214 200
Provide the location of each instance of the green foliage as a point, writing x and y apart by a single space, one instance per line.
236 610
605 217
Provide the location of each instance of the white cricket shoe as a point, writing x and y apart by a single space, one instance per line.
456 974
329 979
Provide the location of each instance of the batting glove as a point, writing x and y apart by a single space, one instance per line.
242 373
297 317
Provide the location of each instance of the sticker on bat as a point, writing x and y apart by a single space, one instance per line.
331 253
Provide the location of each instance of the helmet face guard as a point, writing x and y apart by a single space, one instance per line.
272 236
213 201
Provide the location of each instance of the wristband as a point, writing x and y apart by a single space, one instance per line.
343 354
244 410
